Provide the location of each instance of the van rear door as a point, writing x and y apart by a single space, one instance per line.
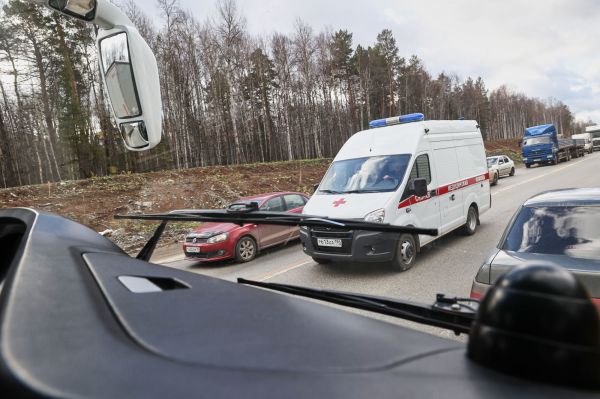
473 167
450 183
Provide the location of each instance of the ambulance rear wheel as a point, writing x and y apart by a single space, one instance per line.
406 253
472 220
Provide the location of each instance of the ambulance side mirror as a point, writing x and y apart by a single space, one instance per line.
420 187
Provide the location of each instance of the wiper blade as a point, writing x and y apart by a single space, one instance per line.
448 313
330 192
276 218
363 191
251 216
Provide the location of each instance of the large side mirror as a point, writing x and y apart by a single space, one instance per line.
128 68
420 187
130 75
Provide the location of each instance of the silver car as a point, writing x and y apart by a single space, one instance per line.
559 227
501 164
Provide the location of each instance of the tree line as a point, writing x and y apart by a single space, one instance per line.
228 97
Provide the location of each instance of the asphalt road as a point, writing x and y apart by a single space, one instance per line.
448 265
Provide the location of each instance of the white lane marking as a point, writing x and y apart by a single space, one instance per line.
554 170
283 271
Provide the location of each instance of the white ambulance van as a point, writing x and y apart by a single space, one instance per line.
403 171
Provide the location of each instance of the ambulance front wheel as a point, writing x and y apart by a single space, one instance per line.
406 253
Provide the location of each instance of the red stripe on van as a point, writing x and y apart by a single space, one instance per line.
462 184
413 200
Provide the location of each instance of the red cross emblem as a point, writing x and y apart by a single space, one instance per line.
339 202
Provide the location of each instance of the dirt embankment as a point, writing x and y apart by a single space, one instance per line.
509 147
94 202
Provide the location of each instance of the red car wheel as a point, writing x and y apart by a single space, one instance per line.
245 249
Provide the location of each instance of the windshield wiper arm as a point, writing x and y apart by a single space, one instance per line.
362 191
251 216
448 313
330 192
276 218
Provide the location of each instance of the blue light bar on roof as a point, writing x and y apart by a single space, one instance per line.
397 120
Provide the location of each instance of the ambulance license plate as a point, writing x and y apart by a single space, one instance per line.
327 242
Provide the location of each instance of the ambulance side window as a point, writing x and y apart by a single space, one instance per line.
420 169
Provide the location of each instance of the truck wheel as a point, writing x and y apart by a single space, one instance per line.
512 172
555 160
321 261
245 249
472 219
406 253
568 156
528 165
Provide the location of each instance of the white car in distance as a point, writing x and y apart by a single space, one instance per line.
500 165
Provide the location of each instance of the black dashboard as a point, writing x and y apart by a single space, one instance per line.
80 318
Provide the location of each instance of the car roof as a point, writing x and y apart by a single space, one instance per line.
567 197
262 197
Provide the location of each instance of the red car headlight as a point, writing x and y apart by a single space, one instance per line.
218 238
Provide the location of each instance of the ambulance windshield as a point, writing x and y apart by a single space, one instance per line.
365 175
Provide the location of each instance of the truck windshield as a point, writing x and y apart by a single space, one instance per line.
562 230
536 140
366 175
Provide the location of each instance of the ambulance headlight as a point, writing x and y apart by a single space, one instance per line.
375 216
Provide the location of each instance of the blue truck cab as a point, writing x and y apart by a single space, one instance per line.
541 144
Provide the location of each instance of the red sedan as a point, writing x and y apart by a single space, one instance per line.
213 242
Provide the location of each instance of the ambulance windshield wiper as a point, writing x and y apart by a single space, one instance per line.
330 192
455 314
242 214
365 191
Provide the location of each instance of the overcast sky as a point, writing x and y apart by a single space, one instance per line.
544 48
